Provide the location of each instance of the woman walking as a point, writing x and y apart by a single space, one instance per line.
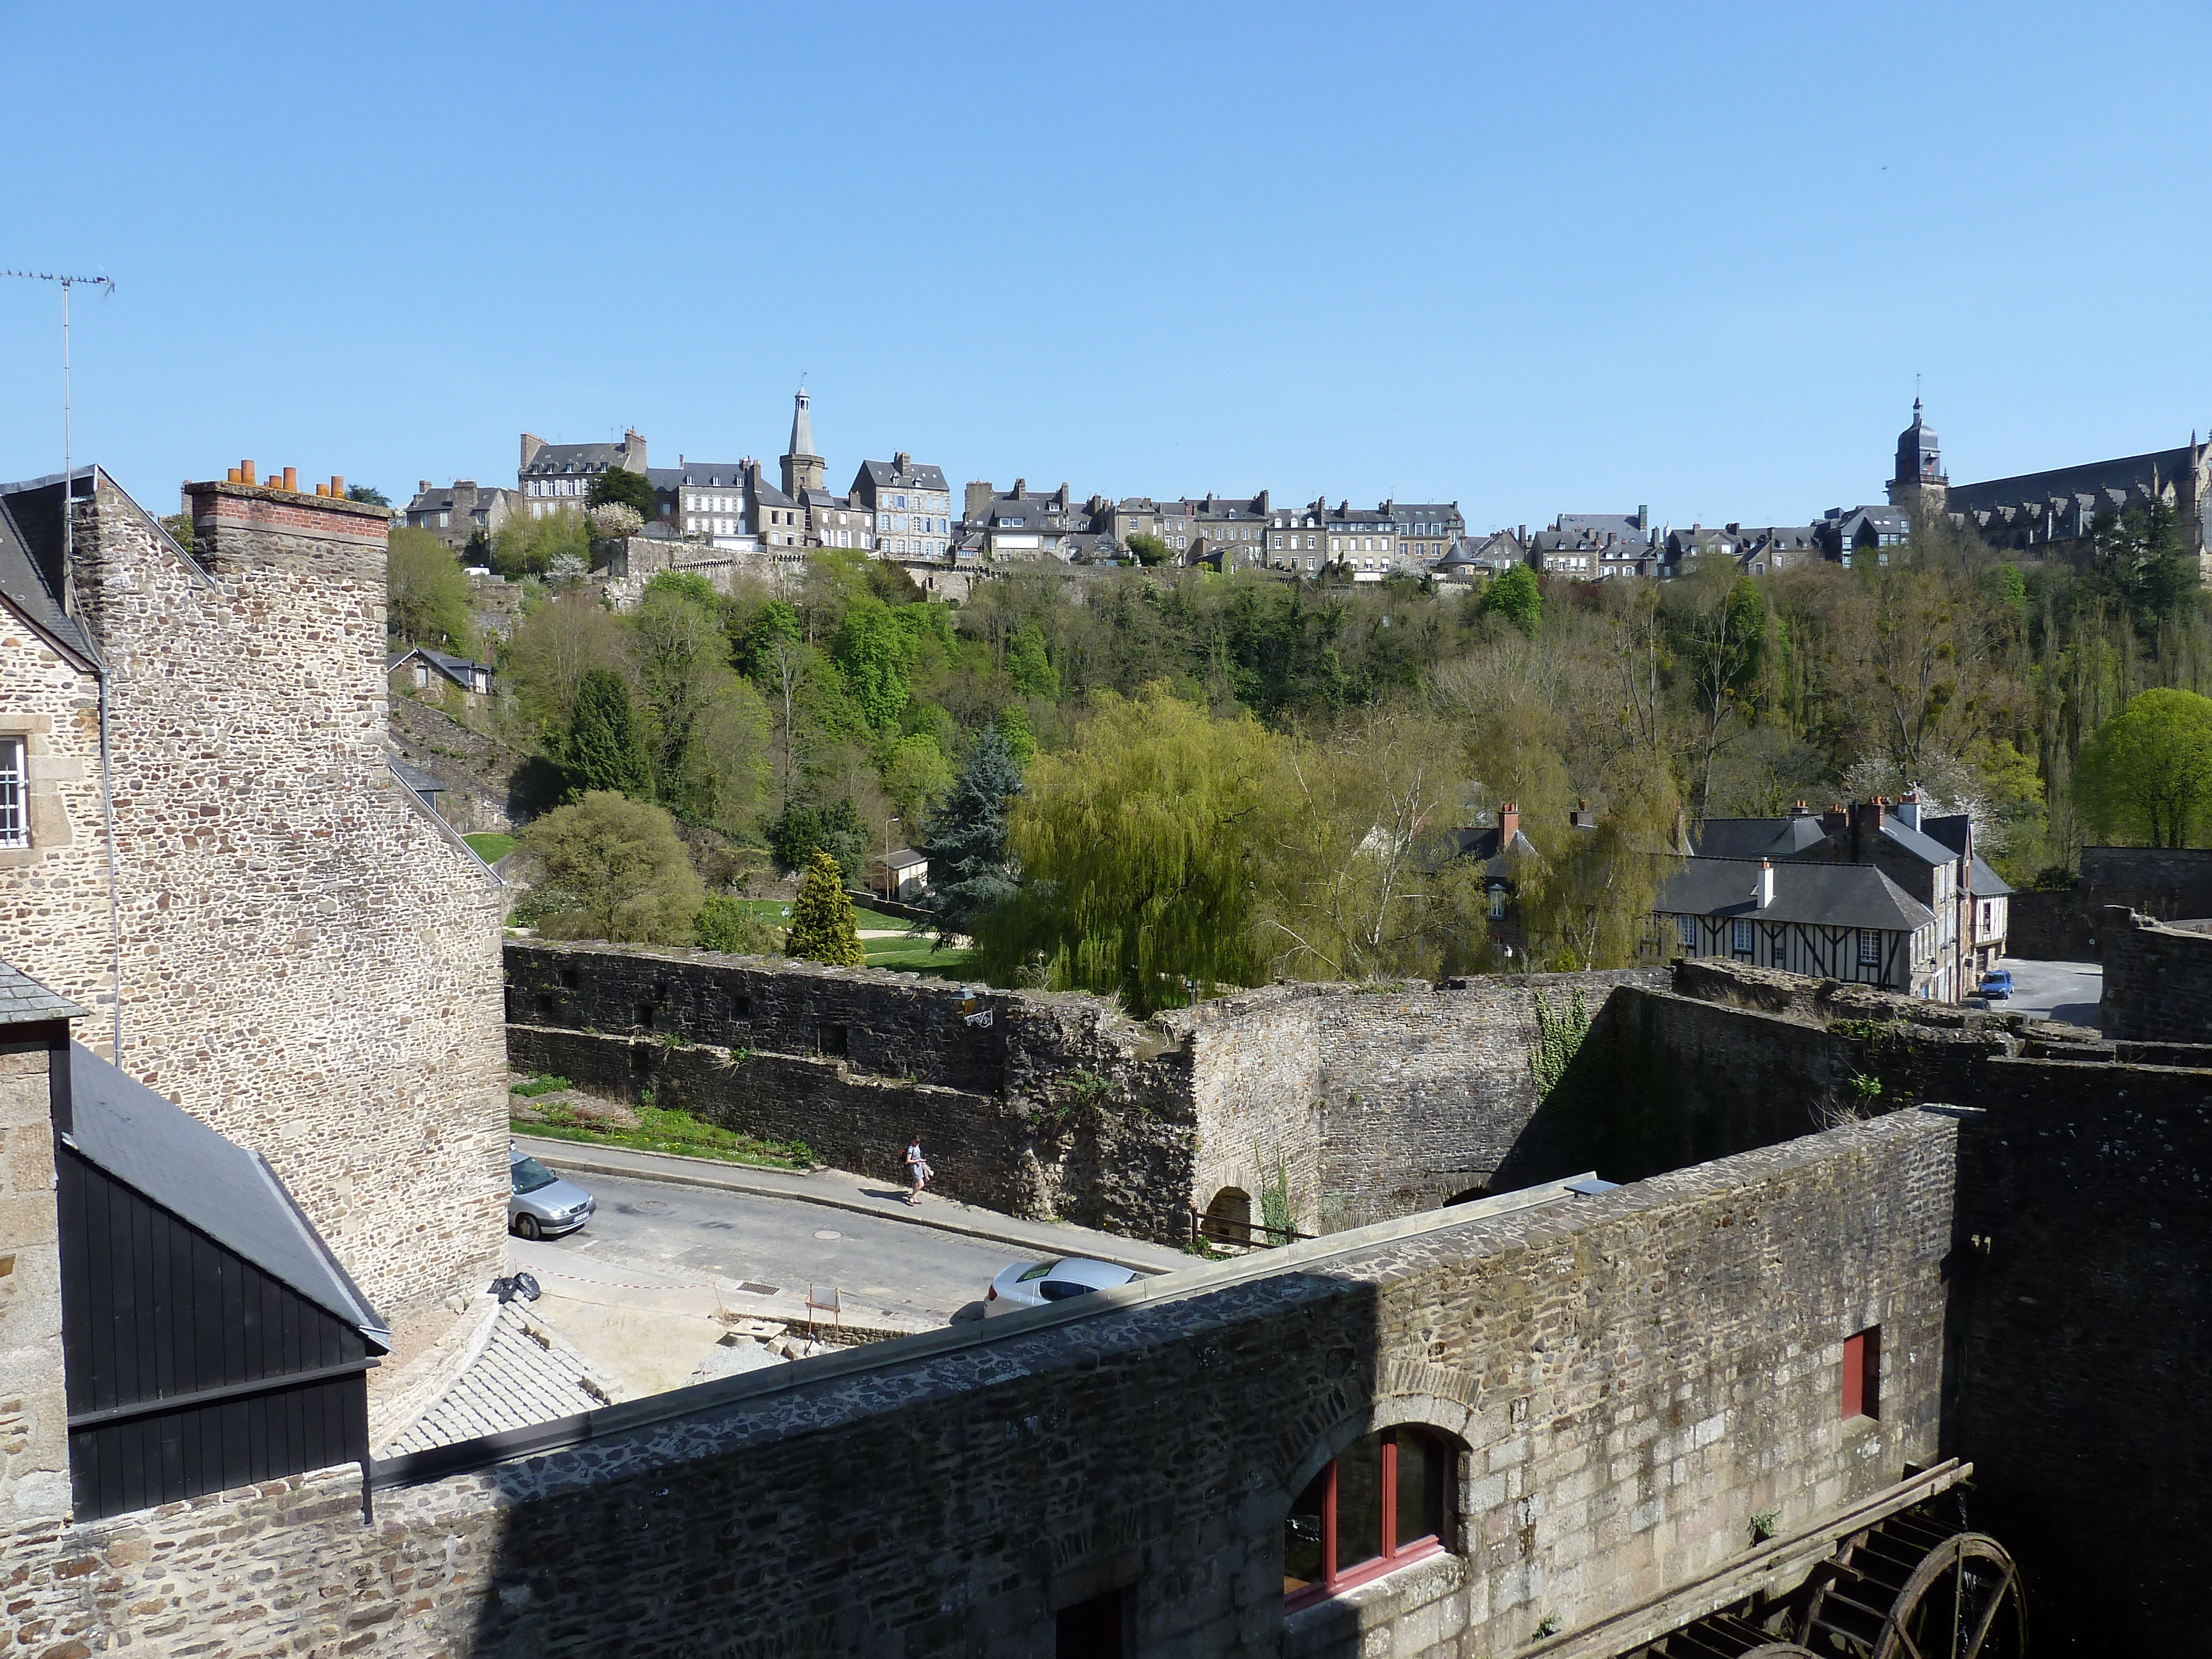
917 1169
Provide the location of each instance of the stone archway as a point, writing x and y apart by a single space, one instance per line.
1229 1217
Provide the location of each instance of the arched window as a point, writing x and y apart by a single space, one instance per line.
1382 1503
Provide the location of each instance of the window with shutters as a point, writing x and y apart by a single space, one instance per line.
1861 1387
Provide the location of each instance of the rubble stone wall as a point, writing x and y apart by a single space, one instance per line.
310 961
2158 980
34 1478
1623 1383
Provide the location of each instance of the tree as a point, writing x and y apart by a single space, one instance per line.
800 831
965 839
602 751
368 493
2146 778
873 651
728 923
1012 726
615 870
426 594
619 486
822 929
1029 669
1514 595
614 520
1721 630
551 651
524 546
1139 851
915 772
1149 549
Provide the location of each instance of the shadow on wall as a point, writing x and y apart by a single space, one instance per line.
1075 1510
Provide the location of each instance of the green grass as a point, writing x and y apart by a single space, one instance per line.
779 911
914 955
491 846
541 1085
661 1129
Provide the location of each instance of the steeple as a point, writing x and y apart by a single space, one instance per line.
802 468
1919 482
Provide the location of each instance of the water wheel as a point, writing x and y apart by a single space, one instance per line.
1727 1635
1913 1588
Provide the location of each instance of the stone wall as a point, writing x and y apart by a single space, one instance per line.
1353 1102
2158 980
34 1480
309 961
2169 883
1612 1439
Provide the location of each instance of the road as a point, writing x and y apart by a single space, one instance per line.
698 1232
2069 991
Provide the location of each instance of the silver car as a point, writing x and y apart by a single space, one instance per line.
1034 1284
539 1204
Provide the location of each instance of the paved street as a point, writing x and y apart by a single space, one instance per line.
2055 990
703 1234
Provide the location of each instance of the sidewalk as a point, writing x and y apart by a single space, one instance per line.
841 1189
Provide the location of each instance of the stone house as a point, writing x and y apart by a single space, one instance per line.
462 515
907 508
555 476
268 927
1427 530
709 501
420 669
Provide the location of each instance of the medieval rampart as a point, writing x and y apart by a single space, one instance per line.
1622 1384
2163 882
2158 980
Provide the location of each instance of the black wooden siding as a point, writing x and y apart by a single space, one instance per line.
189 1370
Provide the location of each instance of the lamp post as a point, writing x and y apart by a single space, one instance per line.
887 859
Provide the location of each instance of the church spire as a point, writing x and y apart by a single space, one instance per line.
803 469
802 425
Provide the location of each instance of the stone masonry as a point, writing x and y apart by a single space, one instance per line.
2158 979
308 961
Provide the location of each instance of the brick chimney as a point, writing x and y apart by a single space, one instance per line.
1833 822
1509 823
1865 829
531 445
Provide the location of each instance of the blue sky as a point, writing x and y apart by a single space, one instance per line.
1531 259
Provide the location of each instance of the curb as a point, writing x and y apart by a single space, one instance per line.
555 1155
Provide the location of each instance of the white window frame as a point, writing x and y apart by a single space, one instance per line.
15 791
1687 927
1869 947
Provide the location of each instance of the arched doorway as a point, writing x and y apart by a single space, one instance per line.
1229 1217
1467 1197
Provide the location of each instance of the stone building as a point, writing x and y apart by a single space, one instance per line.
907 507
556 476
462 515
709 499
267 924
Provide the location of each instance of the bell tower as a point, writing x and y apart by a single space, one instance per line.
802 468
1919 485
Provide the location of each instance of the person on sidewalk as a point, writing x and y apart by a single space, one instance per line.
917 1169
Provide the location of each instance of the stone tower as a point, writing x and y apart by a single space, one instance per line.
1919 485
802 468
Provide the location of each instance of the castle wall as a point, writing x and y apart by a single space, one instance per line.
2158 981
310 962
53 893
1627 1381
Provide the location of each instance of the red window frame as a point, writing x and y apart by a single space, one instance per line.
1862 1374
1395 1552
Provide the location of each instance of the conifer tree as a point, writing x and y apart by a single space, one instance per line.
822 929
966 843
602 749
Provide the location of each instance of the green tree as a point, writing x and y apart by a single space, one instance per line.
800 831
914 773
615 869
368 494
728 923
526 546
873 651
2146 778
602 750
555 644
620 486
425 595
1514 595
965 838
1012 726
1149 549
822 929
1139 849
1027 669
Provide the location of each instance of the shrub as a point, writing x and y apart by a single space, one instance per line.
822 929
728 924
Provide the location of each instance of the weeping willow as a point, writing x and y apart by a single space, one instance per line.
1139 850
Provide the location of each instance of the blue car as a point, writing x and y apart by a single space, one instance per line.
1996 984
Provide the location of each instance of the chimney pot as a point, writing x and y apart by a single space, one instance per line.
236 477
338 485
245 473
292 479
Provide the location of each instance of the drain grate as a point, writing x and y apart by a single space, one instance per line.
752 1289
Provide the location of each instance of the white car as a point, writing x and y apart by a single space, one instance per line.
1034 1284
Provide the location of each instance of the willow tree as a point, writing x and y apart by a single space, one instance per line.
1139 852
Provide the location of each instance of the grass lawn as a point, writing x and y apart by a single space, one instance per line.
914 956
779 911
491 846
667 1131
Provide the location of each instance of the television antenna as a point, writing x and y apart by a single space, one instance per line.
106 286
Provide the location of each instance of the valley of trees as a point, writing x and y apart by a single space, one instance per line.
1151 783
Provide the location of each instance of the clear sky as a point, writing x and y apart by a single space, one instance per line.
1529 258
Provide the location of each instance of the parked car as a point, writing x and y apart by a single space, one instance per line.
539 1204
1033 1283
1996 984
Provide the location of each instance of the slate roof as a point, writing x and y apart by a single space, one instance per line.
414 777
707 475
1822 895
564 459
1923 847
1950 830
24 1000
523 1376
211 1182
2095 477
1481 843
32 582
1757 838
885 476
1620 526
